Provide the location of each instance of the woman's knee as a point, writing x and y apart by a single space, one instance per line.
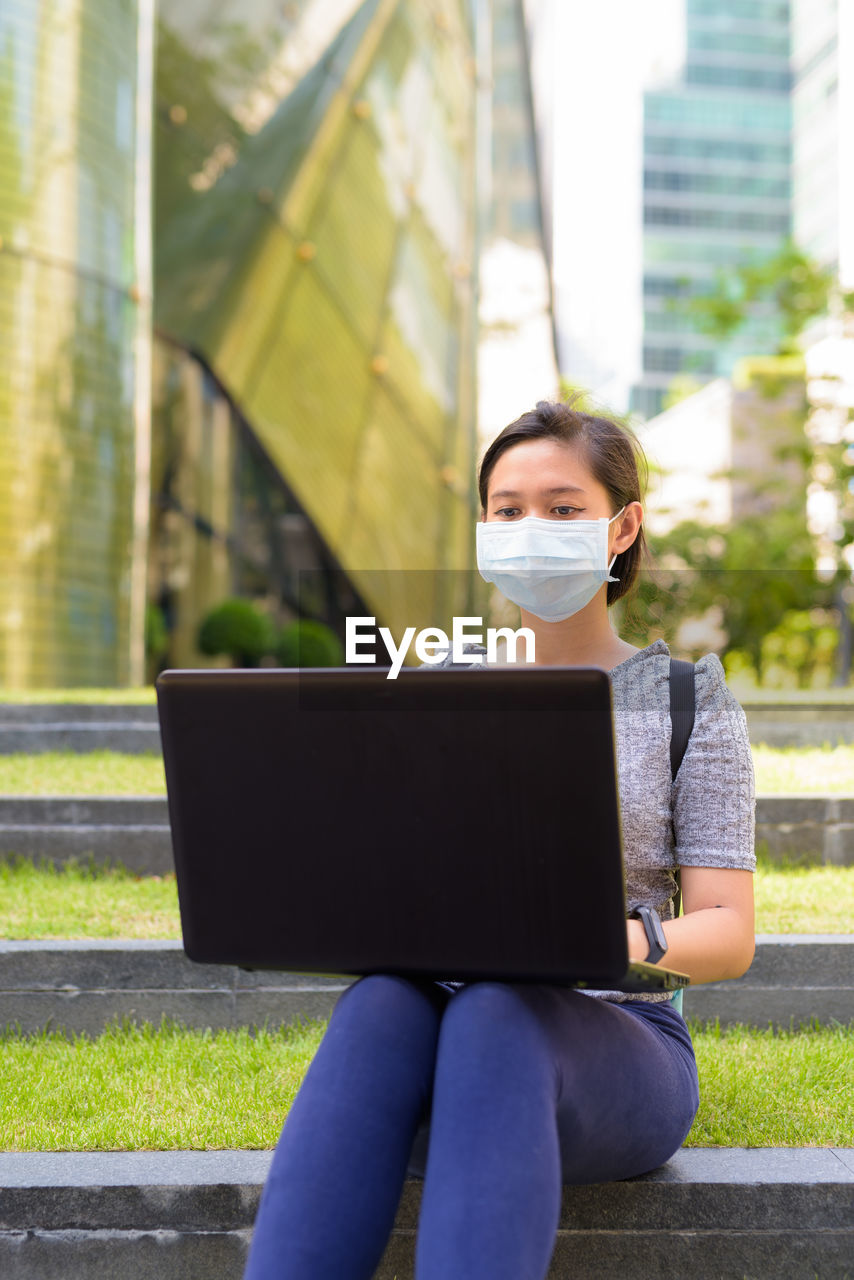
388 1002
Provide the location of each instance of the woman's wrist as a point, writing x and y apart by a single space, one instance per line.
638 945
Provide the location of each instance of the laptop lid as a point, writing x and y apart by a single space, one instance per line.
451 824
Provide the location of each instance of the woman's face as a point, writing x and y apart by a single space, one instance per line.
549 479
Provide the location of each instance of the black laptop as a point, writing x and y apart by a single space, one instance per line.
448 824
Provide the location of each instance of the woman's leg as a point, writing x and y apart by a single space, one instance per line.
333 1188
534 1084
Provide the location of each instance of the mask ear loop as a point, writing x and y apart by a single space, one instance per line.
616 553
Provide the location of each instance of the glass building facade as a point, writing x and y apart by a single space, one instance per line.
75 103
299 188
717 184
316 258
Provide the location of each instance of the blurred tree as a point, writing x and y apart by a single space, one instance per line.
745 579
797 288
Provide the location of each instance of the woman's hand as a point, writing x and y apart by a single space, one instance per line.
714 939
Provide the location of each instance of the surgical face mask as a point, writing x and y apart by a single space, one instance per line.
551 568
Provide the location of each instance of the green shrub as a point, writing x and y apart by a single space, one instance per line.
239 629
306 643
156 641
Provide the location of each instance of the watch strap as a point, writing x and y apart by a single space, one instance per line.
655 936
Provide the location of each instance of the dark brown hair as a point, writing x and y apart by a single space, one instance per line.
609 449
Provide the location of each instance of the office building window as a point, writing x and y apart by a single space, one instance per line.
742 77
717 149
746 10
723 113
678 360
717 219
717 184
770 45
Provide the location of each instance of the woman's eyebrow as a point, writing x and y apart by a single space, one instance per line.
561 488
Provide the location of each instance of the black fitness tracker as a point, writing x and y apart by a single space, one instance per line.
654 932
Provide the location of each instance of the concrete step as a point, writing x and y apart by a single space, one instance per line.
134 830
711 1213
78 727
83 985
799 724
807 828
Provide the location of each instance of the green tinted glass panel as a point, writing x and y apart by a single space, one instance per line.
259 296
69 334
398 475
354 229
308 401
66 487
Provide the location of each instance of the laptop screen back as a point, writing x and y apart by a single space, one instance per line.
448 823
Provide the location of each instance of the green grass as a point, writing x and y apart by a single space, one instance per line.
86 901
748 693
811 770
170 1088
816 771
143 695
93 773
146 1088
766 1089
804 899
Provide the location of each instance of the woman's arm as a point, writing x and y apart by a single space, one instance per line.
714 939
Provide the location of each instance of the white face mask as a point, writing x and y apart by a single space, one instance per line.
551 568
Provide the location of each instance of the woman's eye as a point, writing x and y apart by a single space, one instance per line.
564 511
507 512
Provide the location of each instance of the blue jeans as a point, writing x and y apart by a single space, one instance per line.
525 1086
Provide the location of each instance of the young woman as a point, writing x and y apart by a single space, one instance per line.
526 1086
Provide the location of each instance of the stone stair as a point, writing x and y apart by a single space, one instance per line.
134 830
782 1214
709 1213
35 727
83 985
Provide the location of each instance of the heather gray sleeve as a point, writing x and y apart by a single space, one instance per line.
713 794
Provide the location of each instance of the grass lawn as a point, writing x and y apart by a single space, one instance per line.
93 773
169 1088
141 696
815 770
145 694
77 901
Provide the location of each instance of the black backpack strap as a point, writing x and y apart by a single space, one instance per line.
681 710
682 722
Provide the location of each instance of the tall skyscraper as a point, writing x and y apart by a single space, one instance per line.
823 155
716 184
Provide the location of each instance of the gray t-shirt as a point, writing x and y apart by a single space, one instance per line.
703 818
